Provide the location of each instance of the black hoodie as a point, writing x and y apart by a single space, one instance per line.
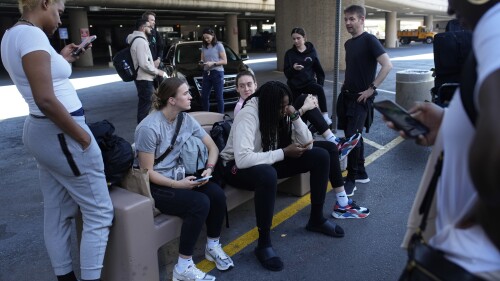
312 67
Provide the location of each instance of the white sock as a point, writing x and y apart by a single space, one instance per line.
327 119
331 137
342 198
182 264
212 242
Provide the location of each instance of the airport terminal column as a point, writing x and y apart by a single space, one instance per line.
391 32
78 26
429 22
231 35
243 32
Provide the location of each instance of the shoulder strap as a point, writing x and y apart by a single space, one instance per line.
180 118
467 84
425 206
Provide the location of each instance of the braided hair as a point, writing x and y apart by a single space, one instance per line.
275 130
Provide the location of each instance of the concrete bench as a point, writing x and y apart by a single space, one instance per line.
136 235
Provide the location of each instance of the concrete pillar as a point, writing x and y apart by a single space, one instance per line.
398 24
231 33
259 27
391 35
429 22
413 85
243 33
78 21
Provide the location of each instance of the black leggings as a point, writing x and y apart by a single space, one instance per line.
206 203
313 89
335 172
263 179
314 116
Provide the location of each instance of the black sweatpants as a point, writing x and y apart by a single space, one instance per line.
206 203
263 179
314 89
314 116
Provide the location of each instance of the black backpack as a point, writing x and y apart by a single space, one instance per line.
117 153
123 63
220 131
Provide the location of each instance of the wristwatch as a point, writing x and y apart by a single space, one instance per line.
373 86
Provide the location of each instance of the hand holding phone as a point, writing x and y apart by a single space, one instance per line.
401 119
85 43
202 179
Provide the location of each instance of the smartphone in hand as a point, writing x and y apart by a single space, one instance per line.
85 43
401 119
202 179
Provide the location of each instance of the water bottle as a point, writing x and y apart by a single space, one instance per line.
179 170
127 68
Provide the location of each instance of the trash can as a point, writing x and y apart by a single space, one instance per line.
413 85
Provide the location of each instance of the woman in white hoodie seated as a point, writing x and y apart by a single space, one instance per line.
269 141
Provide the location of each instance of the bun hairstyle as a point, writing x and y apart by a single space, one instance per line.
298 30
209 31
167 89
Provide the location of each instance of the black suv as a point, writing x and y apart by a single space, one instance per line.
182 60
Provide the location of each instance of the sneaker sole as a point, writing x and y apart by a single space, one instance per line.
367 180
209 258
346 215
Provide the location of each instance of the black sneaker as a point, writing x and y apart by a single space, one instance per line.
362 177
349 187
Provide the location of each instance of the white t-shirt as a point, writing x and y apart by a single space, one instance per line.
469 248
24 39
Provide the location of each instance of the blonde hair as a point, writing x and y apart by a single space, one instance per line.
167 89
29 5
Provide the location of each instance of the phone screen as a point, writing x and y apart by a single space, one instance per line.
85 43
202 179
401 118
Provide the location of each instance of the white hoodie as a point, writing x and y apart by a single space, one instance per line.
244 144
141 56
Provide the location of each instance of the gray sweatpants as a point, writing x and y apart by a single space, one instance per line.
70 177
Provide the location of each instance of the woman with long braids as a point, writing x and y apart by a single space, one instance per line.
196 203
269 141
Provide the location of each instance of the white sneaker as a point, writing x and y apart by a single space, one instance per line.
192 273
221 259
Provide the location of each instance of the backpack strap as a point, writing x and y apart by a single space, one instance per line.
180 118
131 42
467 84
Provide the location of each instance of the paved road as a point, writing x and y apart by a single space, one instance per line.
369 251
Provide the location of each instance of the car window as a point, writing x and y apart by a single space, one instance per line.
188 54
170 55
231 56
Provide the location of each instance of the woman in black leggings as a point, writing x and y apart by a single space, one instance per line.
263 147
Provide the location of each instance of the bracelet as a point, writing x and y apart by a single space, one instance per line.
294 116
210 166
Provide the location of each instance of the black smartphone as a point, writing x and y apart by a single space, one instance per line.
85 43
401 118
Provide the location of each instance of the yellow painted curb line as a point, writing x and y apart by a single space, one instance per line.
248 238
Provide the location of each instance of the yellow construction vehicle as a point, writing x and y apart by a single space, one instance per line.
417 35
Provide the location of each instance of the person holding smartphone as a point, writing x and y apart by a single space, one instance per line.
197 203
213 58
467 194
268 141
70 165
304 72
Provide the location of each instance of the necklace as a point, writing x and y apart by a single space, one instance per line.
26 21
